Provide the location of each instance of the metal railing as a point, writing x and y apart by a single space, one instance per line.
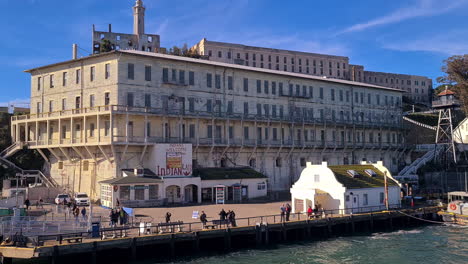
290 118
139 228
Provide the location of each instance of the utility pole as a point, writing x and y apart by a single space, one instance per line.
386 190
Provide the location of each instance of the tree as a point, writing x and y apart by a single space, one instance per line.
106 46
456 74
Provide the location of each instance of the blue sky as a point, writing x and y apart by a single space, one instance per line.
412 36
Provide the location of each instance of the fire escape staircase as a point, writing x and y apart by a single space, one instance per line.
36 174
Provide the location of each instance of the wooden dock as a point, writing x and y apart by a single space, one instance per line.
225 239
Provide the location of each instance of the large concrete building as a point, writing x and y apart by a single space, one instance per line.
417 88
104 113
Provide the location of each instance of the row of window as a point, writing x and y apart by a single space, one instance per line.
397 81
78 103
65 79
277 59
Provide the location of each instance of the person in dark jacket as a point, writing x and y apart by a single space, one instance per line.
203 219
222 215
288 211
27 203
232 218
168 217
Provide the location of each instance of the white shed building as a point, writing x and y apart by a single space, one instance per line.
344 188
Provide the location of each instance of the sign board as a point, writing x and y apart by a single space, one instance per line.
173 159
220 194
195 215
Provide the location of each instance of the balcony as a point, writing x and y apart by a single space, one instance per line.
218 115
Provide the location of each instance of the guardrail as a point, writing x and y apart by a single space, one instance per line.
139 228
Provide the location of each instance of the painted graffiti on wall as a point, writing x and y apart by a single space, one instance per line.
173 159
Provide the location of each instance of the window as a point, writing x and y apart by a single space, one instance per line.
209 80
91 129
51 106
321 93
148 100
332 94
147 73
91 100
92 72
382 198
266 86
165 76
64 104
182 77
230 85
124 193
278 162
246 85
191 78
39 84
261 186
129 99
280 88
317 178
209 131
259 86
106 98
174 75
153 192
229 107
246 108
106 128
51 81
220 54
64 78
78 76
209 106
253 163
303 162
218 81
229 54
191 105
107 70
192 131
273 87
231 132
246 132
139 192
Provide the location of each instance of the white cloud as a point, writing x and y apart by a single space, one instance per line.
449 43
422 8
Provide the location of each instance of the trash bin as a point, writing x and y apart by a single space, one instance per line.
95 227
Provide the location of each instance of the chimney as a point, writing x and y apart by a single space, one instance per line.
75 52
110 28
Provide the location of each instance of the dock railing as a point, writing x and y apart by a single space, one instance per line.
137 228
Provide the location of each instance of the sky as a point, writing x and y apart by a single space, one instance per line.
410 37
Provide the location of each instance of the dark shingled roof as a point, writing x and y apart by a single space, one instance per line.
148 177
227 173
363 180
132 180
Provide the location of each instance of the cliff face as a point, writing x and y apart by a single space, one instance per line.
419 135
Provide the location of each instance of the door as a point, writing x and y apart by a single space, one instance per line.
355 203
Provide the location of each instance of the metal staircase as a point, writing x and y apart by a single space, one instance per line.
409 172
38 176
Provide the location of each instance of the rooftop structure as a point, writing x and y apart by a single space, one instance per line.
139 40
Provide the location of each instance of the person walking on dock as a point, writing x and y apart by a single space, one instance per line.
232 218
222 215
288 211
203 219
309 212
27 203
168 217
283 212
83 214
